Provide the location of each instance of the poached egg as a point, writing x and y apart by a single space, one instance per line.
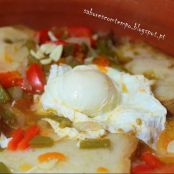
117 101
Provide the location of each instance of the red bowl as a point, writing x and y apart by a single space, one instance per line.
153 15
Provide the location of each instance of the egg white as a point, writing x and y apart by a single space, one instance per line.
137 111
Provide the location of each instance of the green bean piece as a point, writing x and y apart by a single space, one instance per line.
104 47
4 169
4 96
1 149
15 92
95 143
41 141
8 117
68 50
64 122
85 48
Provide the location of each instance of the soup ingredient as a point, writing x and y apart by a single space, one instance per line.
49 52
164 91
13 56
102 61
36 77
154 65
85 82
25 167
151 160
14 34
104 46
102 170
51 155
8 117
63 122
81 32
42 36
41 141
16 93
4 169
150 163
4 96
20 138
95 143
116 159
10 79
4 141
142 169
16 138
29 134
115 100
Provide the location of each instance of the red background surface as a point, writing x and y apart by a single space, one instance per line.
154 15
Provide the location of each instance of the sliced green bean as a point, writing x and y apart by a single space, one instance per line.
4 96
104 47
4 169
8 117
64 122
95 143
15 92
68 50
41 141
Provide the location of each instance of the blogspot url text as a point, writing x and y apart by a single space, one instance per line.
135 26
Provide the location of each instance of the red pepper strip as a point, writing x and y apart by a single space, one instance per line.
10 79
16 138
58 42
142 169
168 168
42 36
151 160
81 32
30 133
36 77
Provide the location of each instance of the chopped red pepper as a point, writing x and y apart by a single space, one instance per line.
30 133
58 42
16 138
81 32
36 77
10 79
168 168
43 36
142 169
151 160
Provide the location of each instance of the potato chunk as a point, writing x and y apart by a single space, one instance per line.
115 160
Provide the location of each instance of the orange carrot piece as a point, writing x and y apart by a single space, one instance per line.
16 138
30 133
102 170
101 61
51 155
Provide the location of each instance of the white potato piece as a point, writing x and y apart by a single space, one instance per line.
12 56
14 34
116 159
154 65
164 91
13 51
